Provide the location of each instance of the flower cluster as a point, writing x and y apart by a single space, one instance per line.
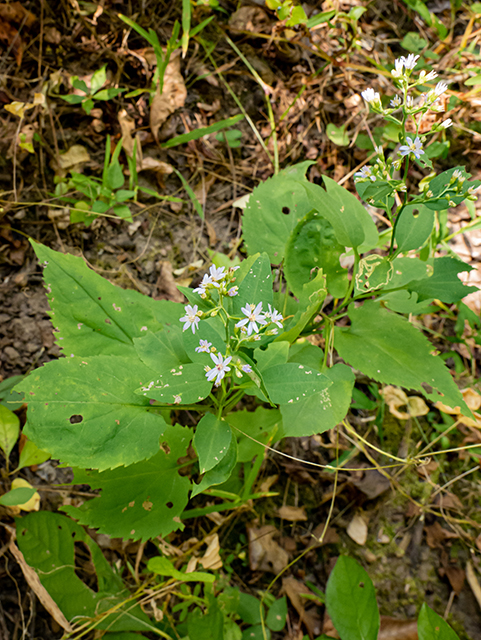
255 316
221 364
413 146
218 279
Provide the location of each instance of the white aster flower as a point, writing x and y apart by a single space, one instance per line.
220 369
233 291
410 61
398 67
254 315
409 102
415 147
275 316
395 102
447 123
427 77
206 281
371 96
191 318
440 88
365 172
246 368
217 274
204 346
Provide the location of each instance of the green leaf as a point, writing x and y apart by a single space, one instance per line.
9 430
403 301
162 350
473 81
289 383
84 411
444 282
275 353
164 567
31 455
249 608
211 330
374 272
338 135
313 245
208 626
211 441
414 227
143 500
387 348
277 615
351 222
349 583
18 496
185 384
433 627
274 208
47 542
73 99
98 79
80 85
220 473
256 633
321 411
255 287
203 131
261 424
312 297
9 398
88 105
92 315
441 186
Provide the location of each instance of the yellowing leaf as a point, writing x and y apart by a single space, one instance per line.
31 505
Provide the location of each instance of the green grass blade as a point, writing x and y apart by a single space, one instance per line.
203 131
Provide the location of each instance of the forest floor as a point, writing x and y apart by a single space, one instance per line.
313 81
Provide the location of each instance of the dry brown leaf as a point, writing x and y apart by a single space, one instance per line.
16 12
73 157
436 535
473 582
253 19
42 594
172 97
293 514
212 559
396 398
370 481
456 577
357 529
165 285
472 399
265 554
393 629
294 590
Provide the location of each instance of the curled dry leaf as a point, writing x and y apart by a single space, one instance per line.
165 285
172 97
436 535
212 559
294 514
294 590
253 19
396 398
71 159
37 587
357 529
264 552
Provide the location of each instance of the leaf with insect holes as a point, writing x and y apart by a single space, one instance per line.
143 500
433 627
211 441
185 384
291 382
313 246
380 344
320 411
414 227
92 315
84 411
352 224
274 208
255 287
349 582
47 541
